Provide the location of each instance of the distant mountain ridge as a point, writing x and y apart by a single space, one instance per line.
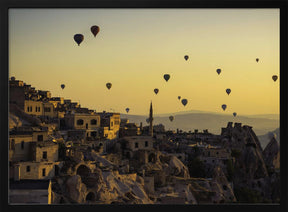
190 120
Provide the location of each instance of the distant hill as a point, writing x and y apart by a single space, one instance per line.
264 139
212 121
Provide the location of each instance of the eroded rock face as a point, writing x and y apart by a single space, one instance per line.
76 190
177 168
89 185
221 187
271 154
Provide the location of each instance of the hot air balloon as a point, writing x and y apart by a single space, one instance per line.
274 77
184 102
78 38
234 114
218 71
224 107
127 109
156 90
95 29
62 86
147 120
171 118
228 91
108 85
179 97
257 60
166 77
186 57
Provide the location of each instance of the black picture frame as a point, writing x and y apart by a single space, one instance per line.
4 77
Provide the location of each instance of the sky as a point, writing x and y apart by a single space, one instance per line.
136 47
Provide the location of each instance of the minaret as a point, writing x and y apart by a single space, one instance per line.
151 120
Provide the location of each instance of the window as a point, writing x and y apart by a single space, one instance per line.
136 145
43 172
22 144
111 123
80 122
146 143
44 155
93 122
40 138
30 108
27 168
38 109
93 134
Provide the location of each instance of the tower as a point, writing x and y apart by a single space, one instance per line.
151 120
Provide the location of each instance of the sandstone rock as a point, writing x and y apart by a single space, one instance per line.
76 190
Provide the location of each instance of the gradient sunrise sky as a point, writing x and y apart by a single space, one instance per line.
136 47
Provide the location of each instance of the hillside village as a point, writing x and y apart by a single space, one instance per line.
62 153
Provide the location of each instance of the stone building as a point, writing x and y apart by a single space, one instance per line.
30 192
88 123
110 125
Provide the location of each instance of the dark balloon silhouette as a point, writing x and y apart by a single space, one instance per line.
274 77
127 109
228 91
234 114
171 118
186 57
257 60
156 90
95 29
179 97
166 77
184 102
147 120
218 71
62 86
78 38
108 85
224 107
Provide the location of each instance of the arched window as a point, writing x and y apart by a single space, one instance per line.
22 144
146 143
80 122
93 122
136 145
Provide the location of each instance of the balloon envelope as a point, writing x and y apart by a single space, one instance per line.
78 38
184 102
257 59
127 109
228 91
171 118
218 71
179 97
234 114
274 77
95 29
156 90
186 57
224 107
108 85
166 77
62 86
